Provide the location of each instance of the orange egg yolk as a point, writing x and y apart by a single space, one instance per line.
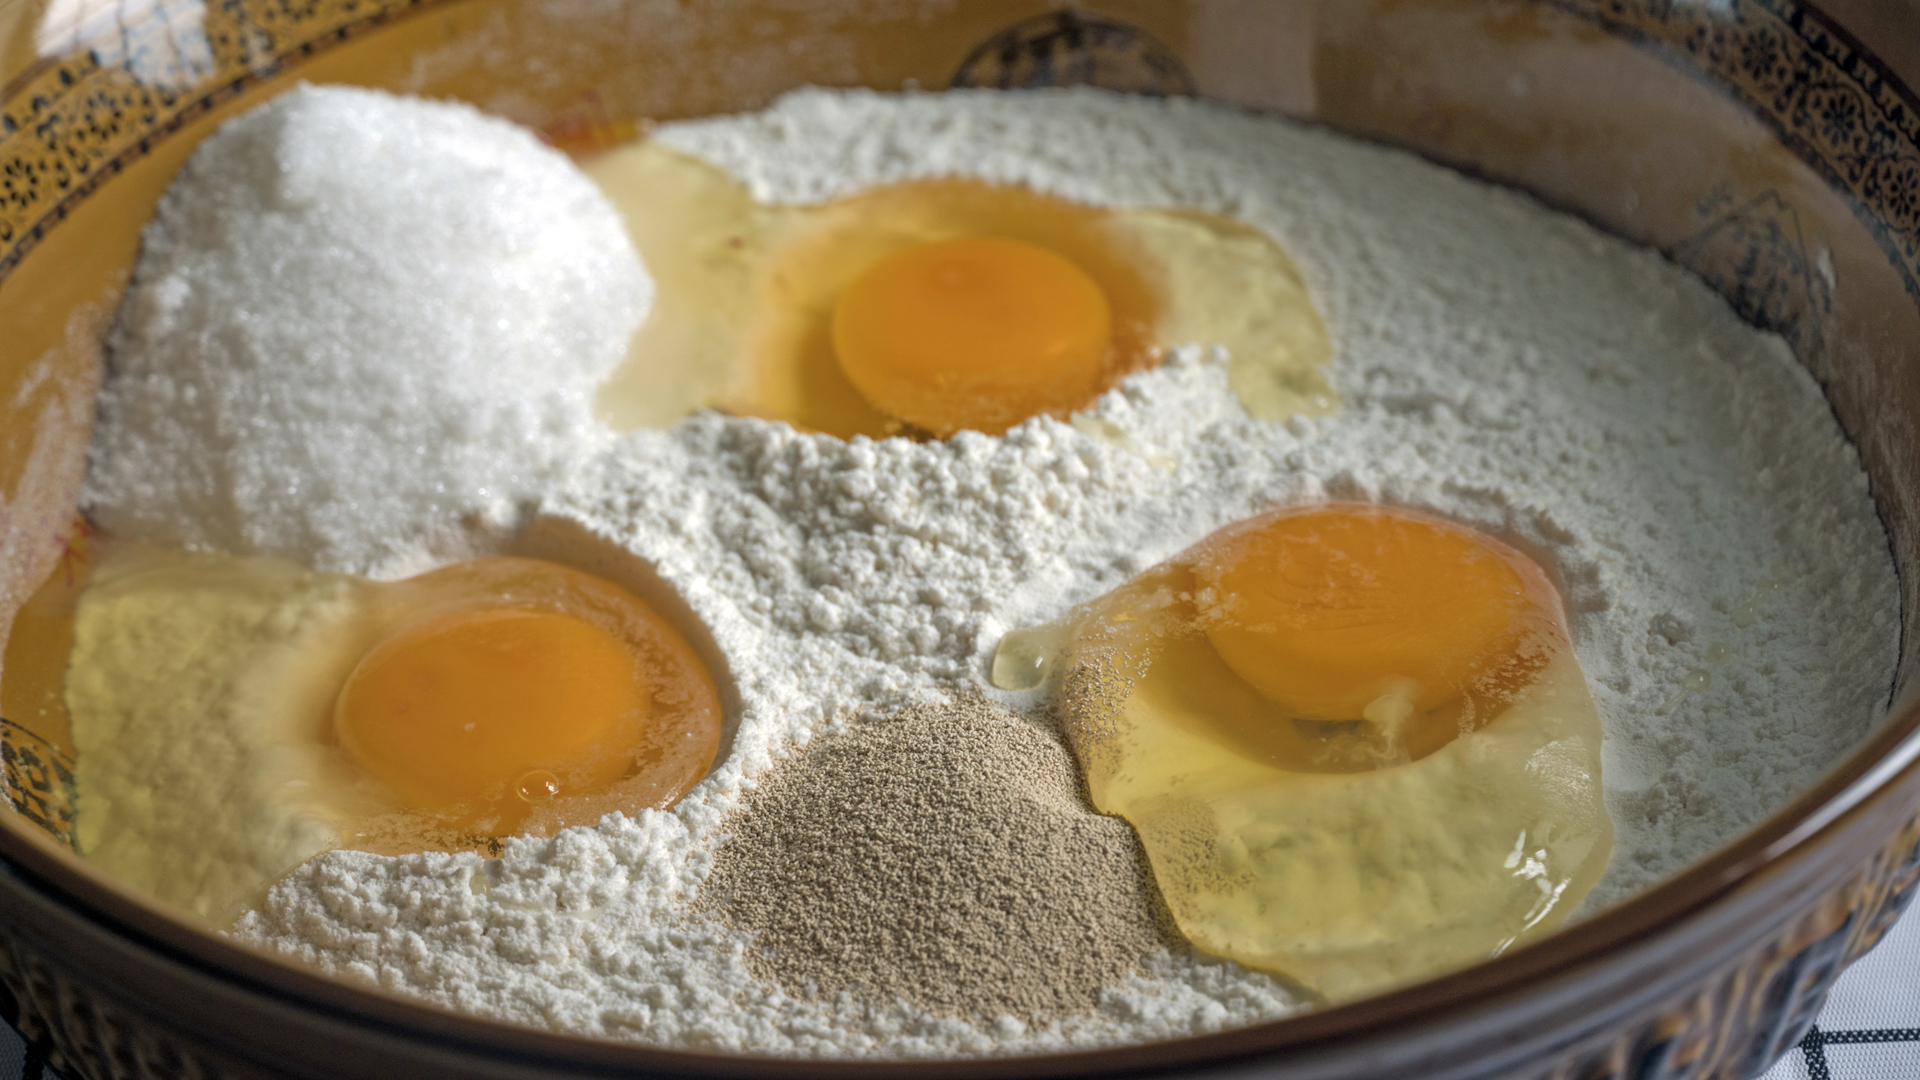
1341 613
463 708
973 333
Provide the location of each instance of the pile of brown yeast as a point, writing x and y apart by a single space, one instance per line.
946 856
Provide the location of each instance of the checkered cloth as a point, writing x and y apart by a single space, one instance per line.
17 1060
1870 1029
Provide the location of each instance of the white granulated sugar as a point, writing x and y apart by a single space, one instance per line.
358 324
1500 364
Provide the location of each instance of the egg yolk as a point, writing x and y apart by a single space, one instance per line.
464 707
1341 613
977 332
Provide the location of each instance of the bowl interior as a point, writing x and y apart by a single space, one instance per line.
1762 149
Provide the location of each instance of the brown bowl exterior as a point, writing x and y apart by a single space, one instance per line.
1760 144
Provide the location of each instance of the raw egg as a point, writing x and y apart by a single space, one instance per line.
935 306
1354 741
977 332
512 694
234 717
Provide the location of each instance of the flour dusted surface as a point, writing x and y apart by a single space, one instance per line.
1502 365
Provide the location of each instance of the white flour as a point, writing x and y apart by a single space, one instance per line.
1501 365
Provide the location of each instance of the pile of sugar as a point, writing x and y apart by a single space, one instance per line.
1502 365
357 323
946 856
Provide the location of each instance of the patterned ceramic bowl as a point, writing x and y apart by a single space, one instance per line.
1758 142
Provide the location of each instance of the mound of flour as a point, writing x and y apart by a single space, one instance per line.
1502 365
359 322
